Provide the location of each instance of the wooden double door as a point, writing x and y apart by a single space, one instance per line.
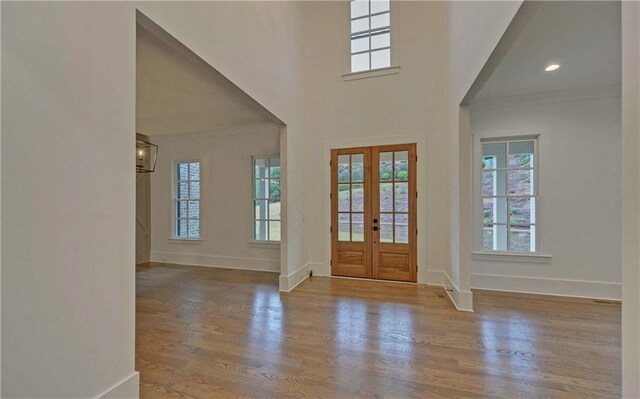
373 212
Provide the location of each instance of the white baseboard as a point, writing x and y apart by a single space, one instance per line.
226 262
129 388
289 282
548 286
462 300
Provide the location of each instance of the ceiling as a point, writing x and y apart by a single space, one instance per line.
177 92
583 37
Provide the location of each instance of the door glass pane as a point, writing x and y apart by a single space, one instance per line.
494 210
386 197
357 226
261 230
194 171
344 199
386 227
520 239
494 183
344 229
386 169
194 209
494 155
402 228
357 167
343 168
402 165
274 231
521 182
521 154
357 198
401 197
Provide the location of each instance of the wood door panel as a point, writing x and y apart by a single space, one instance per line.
357 224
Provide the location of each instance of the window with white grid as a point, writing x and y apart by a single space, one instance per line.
370 35
187 200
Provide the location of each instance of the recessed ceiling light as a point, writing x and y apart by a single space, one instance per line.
552 67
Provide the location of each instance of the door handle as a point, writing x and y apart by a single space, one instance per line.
375 228
375 220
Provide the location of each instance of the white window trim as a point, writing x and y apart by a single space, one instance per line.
479 253
252 242
393 69
174 198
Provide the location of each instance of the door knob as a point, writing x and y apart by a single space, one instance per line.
375 220
375 228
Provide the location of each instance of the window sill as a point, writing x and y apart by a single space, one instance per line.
263 244
192 241
371 73
511 257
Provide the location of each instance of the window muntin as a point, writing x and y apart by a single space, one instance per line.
266 199
370 28
187 200
509 193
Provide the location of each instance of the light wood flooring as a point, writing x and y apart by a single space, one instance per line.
216 333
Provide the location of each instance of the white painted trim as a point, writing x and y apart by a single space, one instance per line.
421 150
510 257
372 73
129 388
462 300
547 286
264 244
224 262
558 96
291 281
191 241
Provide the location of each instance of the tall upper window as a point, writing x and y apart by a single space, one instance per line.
509 192
187 200
370 34
266 199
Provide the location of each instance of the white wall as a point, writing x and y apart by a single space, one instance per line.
226 209
630 200
579 169
382 109
68 86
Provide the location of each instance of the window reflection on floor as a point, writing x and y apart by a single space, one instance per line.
265 333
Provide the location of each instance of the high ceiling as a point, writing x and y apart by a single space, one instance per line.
583 37
177 92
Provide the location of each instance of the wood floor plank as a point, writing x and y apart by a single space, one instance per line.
217 333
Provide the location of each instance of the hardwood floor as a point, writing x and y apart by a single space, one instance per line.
215 333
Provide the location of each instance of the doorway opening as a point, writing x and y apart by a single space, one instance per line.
374 212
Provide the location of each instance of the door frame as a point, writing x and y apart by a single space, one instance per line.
420 139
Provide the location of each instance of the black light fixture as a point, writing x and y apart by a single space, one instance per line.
146 154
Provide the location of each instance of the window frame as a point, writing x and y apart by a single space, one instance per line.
479 197
393 67
252 232
174 211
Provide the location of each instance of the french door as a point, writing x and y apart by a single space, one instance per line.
373 212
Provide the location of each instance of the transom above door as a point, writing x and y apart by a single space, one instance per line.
373 211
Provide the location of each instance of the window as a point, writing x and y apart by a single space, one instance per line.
370 34
187 200
509 192
266 199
